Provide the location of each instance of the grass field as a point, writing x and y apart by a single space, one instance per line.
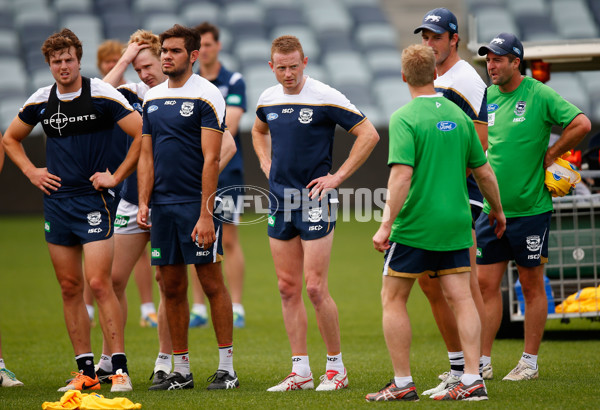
36 346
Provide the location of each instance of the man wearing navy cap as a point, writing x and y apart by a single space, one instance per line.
521 112
459 82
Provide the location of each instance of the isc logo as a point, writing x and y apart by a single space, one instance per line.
202 253
170 102
315 228
94 230
287 111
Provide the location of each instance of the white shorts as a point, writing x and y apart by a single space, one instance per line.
126 219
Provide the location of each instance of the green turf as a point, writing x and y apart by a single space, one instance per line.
36 346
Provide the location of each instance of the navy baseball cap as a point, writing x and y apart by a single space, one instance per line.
502 44
439 21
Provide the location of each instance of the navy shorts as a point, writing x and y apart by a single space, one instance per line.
80 219
407 262
525 240
170 236
475 212
310 223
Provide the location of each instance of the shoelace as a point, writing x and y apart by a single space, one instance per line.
214 377
10 374
118 378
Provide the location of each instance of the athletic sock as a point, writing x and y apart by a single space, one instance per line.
105 363
163 363
485 360
239 309
226 358
147 308
301 365
468 379
85 362
403 381
90 310
2 366
334 362
199 309
119 361
457 363
530 359
181 362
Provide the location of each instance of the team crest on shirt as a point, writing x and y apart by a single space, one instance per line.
187 109
305 115
314 215
94 218
534 243
520 108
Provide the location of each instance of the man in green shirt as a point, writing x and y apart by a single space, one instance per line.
426 227
521 113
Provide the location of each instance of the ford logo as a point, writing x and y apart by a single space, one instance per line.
272 116
492 107
446 125
152 108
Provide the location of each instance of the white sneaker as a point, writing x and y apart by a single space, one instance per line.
8 379
333 380
522 372
294 382
487 372
443 376
120 382
450 382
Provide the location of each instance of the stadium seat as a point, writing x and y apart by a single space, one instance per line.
536 27
229 61
336 41
14 78
119 25
371 37
390 95
34 60
594 6
41 77
252 51
103 6
358 94
346 68
282 15
6 19
248 29
327 16
158 23
385 64
316 71
146 8
194 14
573 19
69 7
528 8
9 108
88 26
9 43
570 88
492 21
367 14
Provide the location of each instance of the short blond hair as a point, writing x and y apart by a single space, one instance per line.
286 45
418 65
107 49
147 37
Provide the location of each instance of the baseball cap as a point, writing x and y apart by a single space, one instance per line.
502 44
439 21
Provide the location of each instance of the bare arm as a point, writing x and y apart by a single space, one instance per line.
228 150
1 154
570 137
486 180
261 139
145 175
12 142
398 187
482 133
366 139
132 125
204 231
233 117
115 75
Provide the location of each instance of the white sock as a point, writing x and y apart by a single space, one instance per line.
239 309
226 359
90 310
335 363
163 362
147 308
457 363
301 366
403 381
181 362
530 359
468 379
199 309
105 363
485 360
2 366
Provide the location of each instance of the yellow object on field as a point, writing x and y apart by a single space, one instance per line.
561 177
586 300
74 399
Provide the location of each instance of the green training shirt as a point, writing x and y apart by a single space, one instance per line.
435 137
519 125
